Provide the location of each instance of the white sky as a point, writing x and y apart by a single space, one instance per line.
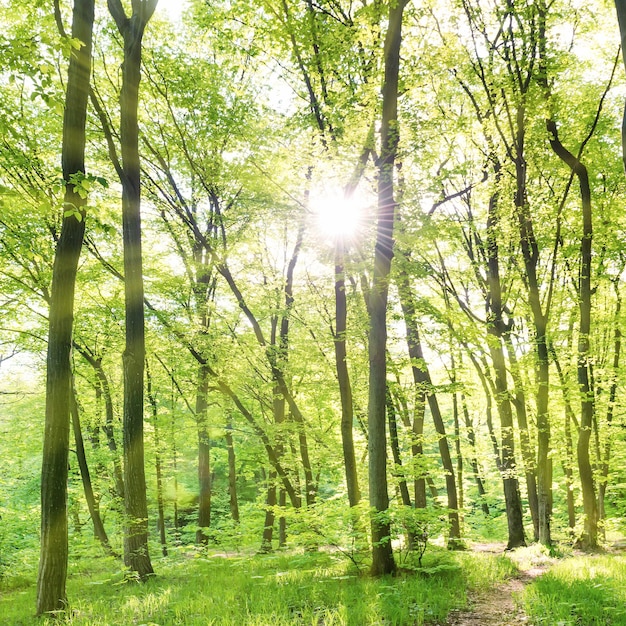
172 8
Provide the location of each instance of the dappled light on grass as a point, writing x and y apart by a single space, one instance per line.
201 588
589 590
280 589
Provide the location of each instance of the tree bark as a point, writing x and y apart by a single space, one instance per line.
136 554
270 515
423 382
105 388
157 461
343 376
232 472
204 456
85 476
589 538
620 6
606 453
471 437
382 553
52 575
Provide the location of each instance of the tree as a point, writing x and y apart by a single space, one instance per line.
132 28
51 593
382 554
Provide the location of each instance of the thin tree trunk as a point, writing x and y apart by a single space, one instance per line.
282 520
204 457
85 476
568 462
232 472
620 6
343 376
52 575
606 453
270 516
519 402
471 437
157 461
423 381
496 329
108 427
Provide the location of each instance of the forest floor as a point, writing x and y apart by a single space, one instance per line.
500 605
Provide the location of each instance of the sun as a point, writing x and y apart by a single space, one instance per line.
338 215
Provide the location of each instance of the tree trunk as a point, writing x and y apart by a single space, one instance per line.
423 381
471 437
589 538
204 457
136 554
52 575
345 388
606 454
382 554
270 516
496 329
519 402
232 472
157 461
85 476
542 510
568 462
620 6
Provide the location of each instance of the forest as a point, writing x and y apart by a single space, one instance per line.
312 311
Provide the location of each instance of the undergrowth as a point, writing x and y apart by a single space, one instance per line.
585 590
280 589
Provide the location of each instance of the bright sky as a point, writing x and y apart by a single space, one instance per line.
172 8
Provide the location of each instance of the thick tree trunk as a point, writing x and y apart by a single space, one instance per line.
136 554
382 554
496 329
589 538
51 590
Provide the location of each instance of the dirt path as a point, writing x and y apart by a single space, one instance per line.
498 606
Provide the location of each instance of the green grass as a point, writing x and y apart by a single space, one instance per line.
580 591
300 588
287 588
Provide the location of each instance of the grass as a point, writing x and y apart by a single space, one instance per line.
313 588
288 588
585 590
